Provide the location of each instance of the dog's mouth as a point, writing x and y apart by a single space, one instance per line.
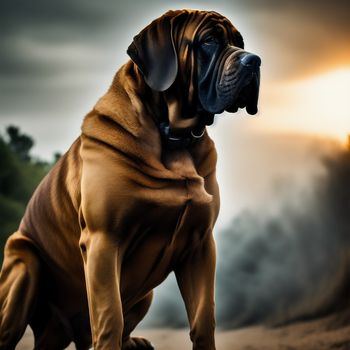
239 84
247 96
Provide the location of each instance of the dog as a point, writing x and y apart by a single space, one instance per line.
134 198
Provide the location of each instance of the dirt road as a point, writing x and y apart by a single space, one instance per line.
314 335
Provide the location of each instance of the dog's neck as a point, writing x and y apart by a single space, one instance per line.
180 124
134 130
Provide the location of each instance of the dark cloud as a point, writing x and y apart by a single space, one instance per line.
43 38
40 12
56 59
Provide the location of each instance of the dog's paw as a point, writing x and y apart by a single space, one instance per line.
136 343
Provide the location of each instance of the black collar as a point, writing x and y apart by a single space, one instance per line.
176 141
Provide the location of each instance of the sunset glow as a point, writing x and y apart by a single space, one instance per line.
317 105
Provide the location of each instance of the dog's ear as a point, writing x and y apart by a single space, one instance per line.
154 53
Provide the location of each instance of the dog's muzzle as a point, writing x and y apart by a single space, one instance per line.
231 83
239 82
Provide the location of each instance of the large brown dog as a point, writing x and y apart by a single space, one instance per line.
134 198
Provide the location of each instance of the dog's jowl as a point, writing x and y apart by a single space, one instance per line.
134 198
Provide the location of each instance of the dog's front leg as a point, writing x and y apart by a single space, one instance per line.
195 276
102 270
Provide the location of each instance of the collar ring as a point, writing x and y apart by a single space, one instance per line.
198 136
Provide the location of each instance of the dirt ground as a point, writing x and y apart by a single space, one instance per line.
312 335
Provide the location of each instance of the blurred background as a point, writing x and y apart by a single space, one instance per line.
283 231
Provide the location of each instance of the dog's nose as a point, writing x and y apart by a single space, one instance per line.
250 60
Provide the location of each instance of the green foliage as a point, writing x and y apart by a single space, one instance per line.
19 176
20 144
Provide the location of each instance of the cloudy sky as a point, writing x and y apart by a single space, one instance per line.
57 58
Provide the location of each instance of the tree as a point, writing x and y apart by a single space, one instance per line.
57 156
20 144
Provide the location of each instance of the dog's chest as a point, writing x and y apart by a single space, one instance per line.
163 203
172 208
193 185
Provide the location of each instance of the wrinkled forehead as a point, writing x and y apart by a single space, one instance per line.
192 26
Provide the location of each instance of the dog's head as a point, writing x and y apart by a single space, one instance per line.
196 58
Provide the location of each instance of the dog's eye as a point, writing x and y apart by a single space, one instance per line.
210 40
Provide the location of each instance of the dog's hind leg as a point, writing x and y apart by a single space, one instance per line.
131 320
18 288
